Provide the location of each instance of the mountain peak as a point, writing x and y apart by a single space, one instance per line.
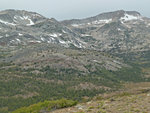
103 18
117 14
19 17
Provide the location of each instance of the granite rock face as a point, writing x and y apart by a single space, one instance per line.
22 28
114 31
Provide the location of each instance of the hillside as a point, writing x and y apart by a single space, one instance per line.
133 100
45 59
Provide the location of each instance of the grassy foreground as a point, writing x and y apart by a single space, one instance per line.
46 106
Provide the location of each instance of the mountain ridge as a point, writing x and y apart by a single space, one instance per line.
105 14
45 59
59 32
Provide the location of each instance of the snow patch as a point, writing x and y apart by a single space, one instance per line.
18 40
36 15
49 41
55 35
15 17
77 25
64 31
12 41
84 35
94 22
43 39
119 29
38 41
128 17
35 41
15 20
24 18
102 21
31 22
52 38
148 25
7 23
20 34
62 42
7 35
79 46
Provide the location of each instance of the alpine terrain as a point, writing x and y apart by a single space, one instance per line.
43 60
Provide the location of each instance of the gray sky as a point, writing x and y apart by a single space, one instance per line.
68 9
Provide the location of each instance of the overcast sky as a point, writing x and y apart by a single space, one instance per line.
68 9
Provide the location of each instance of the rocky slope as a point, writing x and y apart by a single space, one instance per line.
119 31
135 100
44 59
23 28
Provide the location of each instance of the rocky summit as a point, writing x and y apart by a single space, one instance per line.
114 31
23 28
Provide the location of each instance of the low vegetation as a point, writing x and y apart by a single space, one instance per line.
24 83
133 100
46 106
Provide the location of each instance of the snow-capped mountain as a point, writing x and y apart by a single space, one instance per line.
21 28
113 31
105 18
18 17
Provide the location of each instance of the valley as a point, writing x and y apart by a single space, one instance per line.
43 59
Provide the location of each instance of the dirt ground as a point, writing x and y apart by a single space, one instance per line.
135 98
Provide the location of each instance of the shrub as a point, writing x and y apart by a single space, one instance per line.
46 105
